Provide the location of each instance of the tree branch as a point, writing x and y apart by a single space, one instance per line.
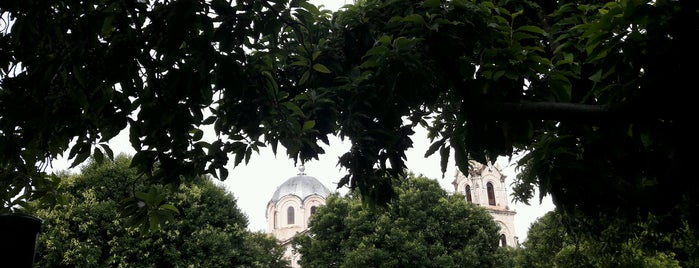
581 112
557 111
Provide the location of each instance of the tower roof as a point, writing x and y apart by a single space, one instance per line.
300 185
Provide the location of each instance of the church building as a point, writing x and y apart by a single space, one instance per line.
484 185
297 199
291 207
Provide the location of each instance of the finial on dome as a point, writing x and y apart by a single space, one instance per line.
302 169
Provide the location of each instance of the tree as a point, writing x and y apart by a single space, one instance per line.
422 227
591 92
263 250
557 241
74 74
87 230
572 85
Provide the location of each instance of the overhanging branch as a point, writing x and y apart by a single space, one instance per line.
557 111
560 111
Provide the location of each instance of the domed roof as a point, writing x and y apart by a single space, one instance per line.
300 185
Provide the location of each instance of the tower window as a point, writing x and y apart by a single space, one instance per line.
503 240
491 194
468 194
290 215
313 210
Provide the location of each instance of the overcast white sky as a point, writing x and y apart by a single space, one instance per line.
254 184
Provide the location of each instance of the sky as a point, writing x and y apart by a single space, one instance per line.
254 183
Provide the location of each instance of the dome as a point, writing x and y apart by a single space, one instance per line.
302 186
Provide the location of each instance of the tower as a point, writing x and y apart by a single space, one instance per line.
484 185
291 207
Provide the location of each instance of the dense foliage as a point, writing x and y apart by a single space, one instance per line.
421 227
591 92
87 230
557 241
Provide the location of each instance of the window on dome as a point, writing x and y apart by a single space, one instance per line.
290 215
313 210
491 195
503 240
468 194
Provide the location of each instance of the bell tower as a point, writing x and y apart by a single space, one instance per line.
484 185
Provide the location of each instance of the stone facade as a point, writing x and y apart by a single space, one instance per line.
291 207
296 200
485 186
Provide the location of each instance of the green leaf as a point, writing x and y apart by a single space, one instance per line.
169 207
404 43
154 222
304 77
385 40
239 155
141 196
82 156
413 18
524 36
597 76
431 3
309 124
310 7
567 59
107 150
198 134
209 120
321 68
516 14
433 148
248 154
98 156
223 173
295 110
444 158
532 29
561 87
378 50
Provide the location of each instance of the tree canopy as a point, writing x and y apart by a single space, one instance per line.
87 230
557 241
422 227
591 92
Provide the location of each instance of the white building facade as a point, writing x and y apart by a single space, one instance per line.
291 207
297 199
484 185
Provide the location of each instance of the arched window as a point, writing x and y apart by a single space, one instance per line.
491 194
290 215
468 194
503 240
313 210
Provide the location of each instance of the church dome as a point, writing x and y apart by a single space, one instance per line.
302 186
